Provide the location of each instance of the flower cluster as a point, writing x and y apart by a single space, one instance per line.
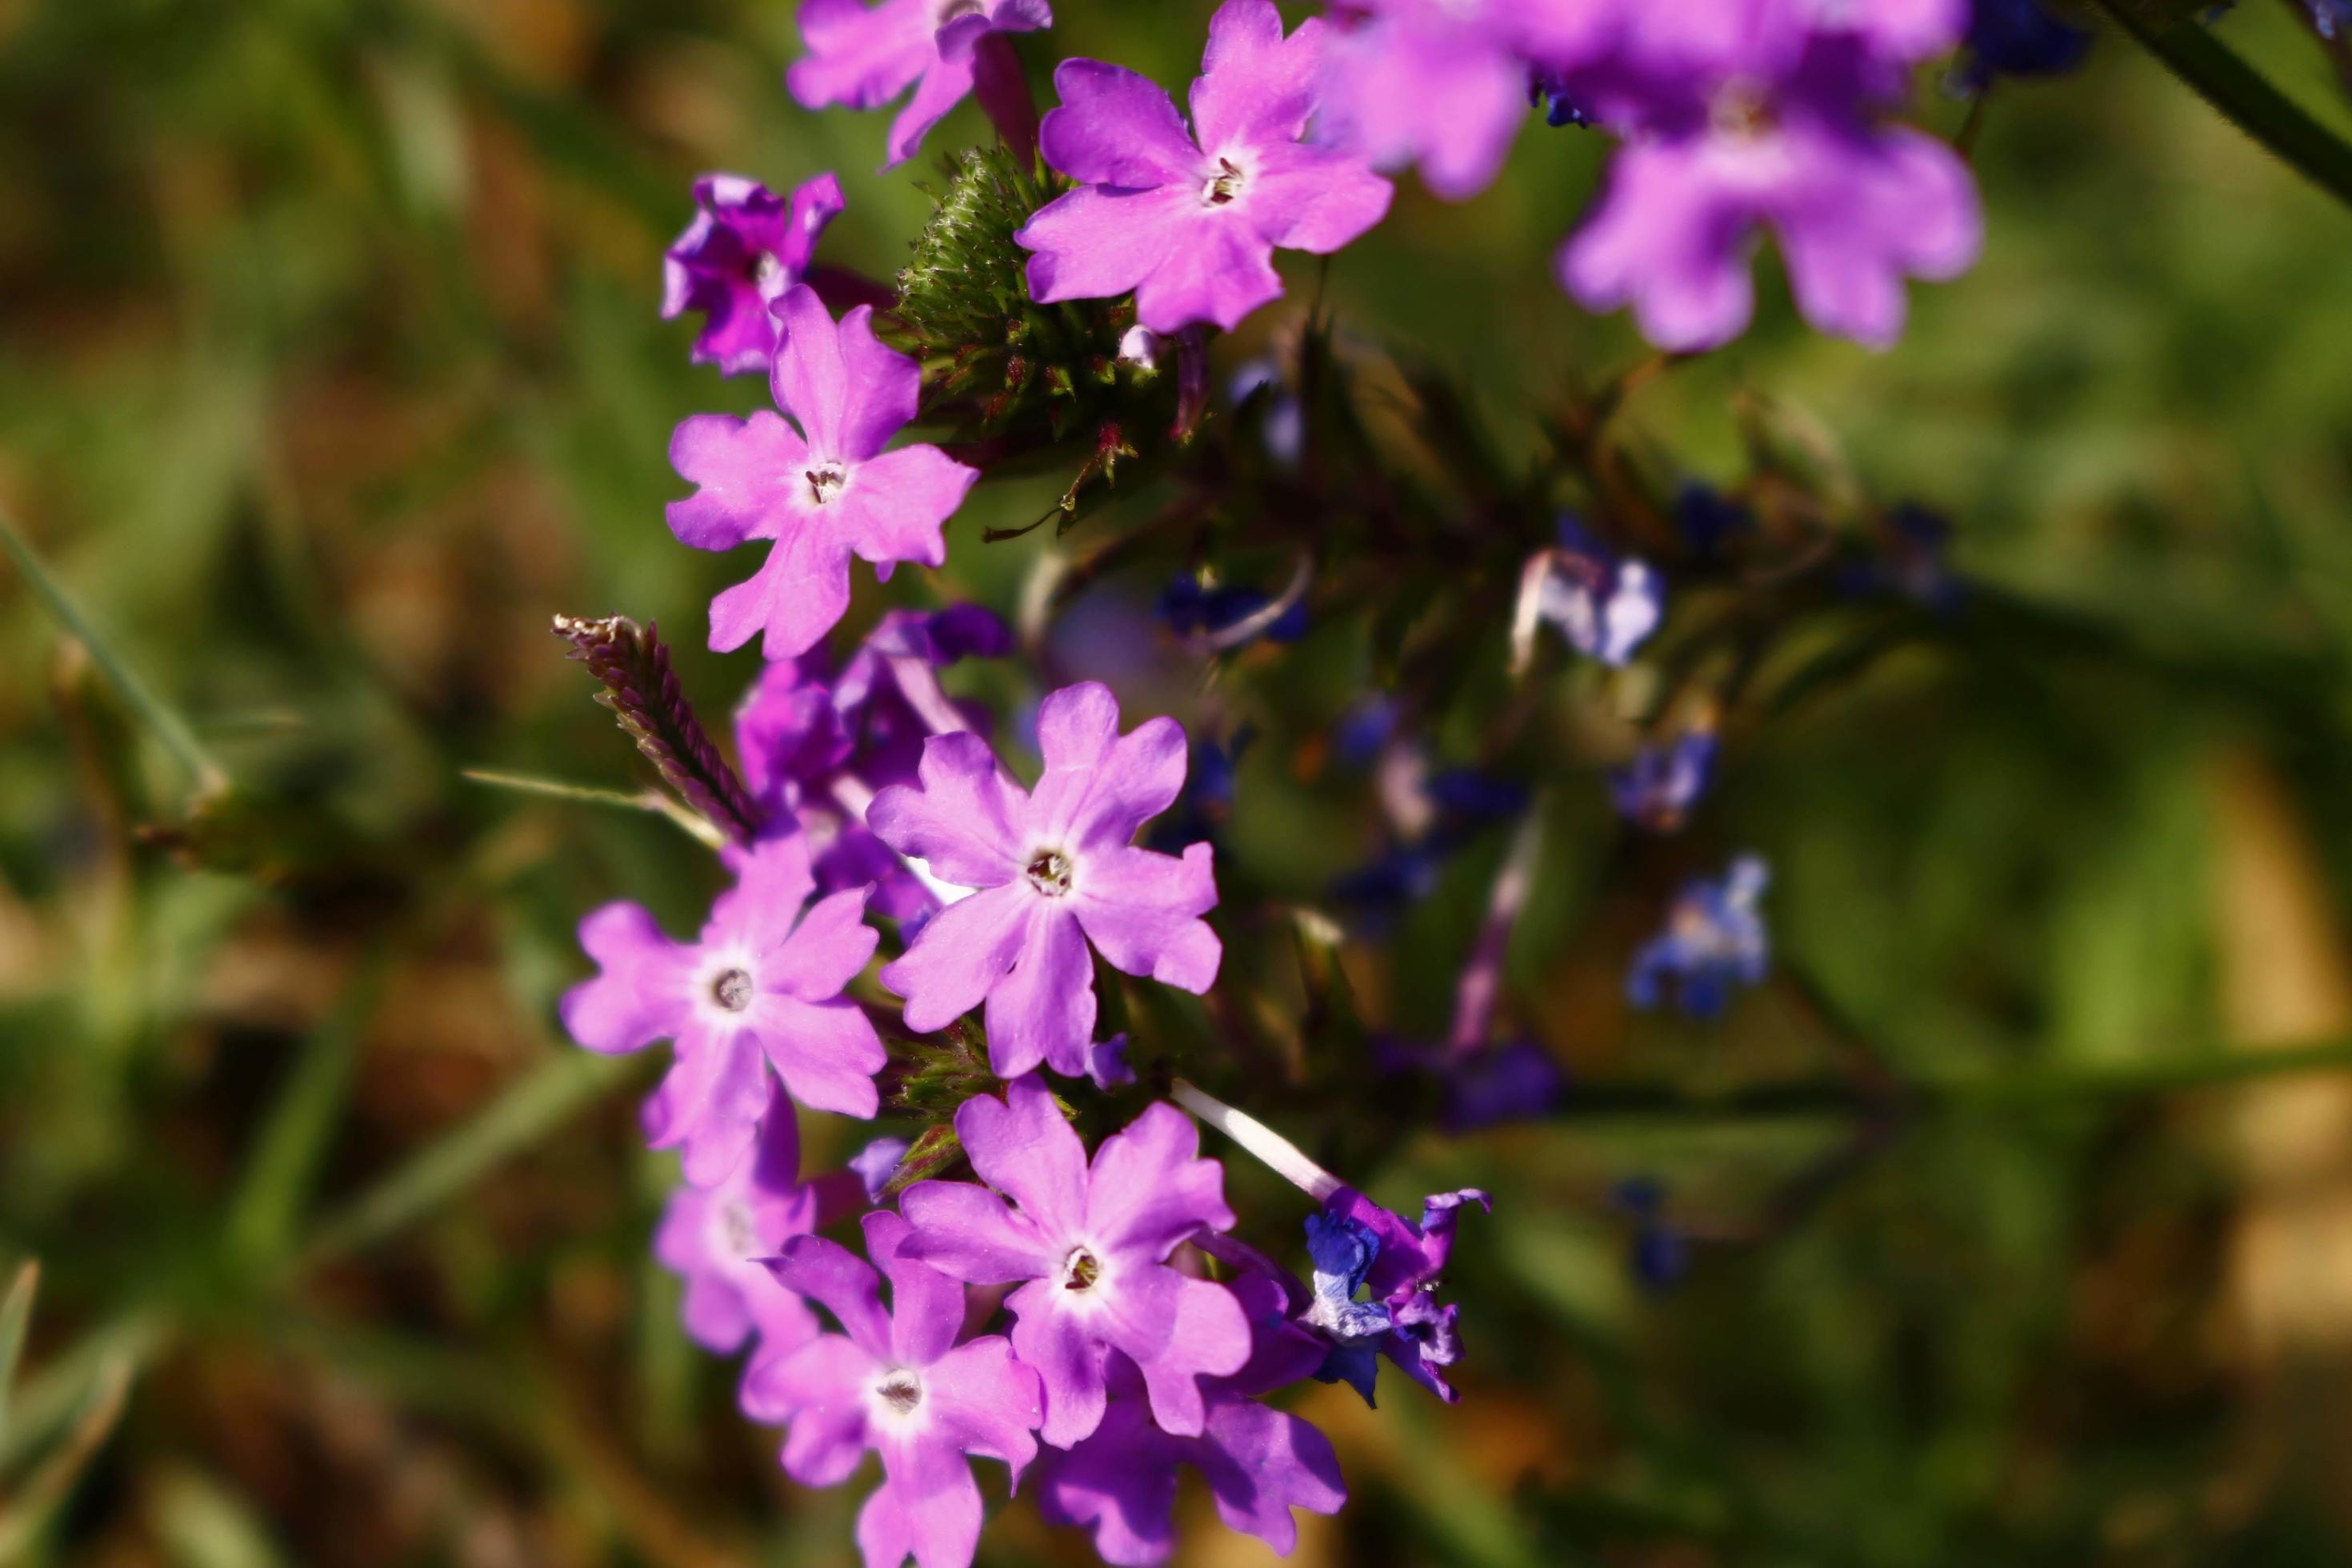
955 913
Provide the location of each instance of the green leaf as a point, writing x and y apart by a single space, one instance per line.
158 715
15 1312
2193 54
541 1101
284 1166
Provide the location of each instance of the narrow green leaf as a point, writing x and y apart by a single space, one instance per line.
29 1512
159 715
2191 51
15 1312
203 1523
48 1397
543 1099
284 1166
591 794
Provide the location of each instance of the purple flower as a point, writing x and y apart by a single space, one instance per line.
2020 38
1748 115
1092 1243
1656 1253
821 491
1604 604
865 57
1191 220
874 1164
1355 1243
1444 82
1120 1482
714 1239
760 989
1657 789
746 245
899 1383
1056 870
1714 940
1506 1081
818 743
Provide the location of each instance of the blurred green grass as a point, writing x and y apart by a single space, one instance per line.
331 370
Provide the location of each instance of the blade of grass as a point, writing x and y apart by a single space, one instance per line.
50 1397
15 1312
541 1099
29 1512
2191 51
591 794
283 1169
159 715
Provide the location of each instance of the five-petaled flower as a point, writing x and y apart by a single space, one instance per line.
1091 1243
1056 867
714 1239
897 1382
760 989
821 492
746 245
865 57
1748 115
1190 221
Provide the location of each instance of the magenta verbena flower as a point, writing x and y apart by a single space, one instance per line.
866 55
759 990
1121 1483
1090 1245
714 1239
821 491
1748 115
816 742
746 245
1444 83
898 1383
1189 220
1055 869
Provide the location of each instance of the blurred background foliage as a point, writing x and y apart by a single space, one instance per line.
331 370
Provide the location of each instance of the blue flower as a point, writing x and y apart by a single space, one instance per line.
1282 419
2332 17
2020 38
1191 608
1714 940
1658 788
1342 1252
1707 519
1518 1080
1547 90
1656 1253
1605 604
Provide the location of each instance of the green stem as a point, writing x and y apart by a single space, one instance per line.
2240 92
160 716
591 794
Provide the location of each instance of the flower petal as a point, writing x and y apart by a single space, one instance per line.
825 951
1255 87
988 1401
1149 1189
1140 910
965 1230
963 819
640 995
1021 1146
820 1389
738 467
797 595
1116 128
1044 1008
844 1284
961 952
1067 1359
826 1052
895 504
710 1103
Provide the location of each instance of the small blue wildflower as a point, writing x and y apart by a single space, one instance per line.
1547 90
1914 545
1191 608
1714 939
1517 1080
1467 798
1657 789
1385 884
2332 17
1357 739
1707 519
1605 604
1658 1254
2018 38
1342 1253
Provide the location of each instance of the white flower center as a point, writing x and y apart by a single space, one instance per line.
901 1391
768 275
825 481
1742 110
1081 1270
736 1235
1049 872
1223 186
732 990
